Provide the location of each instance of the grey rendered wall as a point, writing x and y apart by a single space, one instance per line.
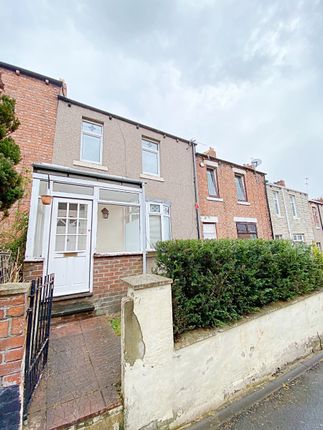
122 157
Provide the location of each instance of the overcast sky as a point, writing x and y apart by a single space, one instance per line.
243 76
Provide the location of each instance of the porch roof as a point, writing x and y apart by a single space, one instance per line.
72 172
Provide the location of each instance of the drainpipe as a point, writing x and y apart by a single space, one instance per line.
143 218
197 212
287 217
268 208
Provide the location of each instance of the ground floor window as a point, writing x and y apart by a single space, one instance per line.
247 230
299 237
158 223
278 236
319 245
209 230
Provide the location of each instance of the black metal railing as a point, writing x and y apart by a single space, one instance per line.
38 327
4 267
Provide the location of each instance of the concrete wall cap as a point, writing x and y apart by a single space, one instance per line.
14 288
146 281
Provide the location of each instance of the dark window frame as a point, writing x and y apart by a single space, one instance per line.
249 232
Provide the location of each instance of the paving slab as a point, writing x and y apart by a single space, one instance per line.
82 377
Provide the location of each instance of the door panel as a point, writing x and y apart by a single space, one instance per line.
70 245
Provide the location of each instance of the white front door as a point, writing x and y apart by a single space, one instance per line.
70 245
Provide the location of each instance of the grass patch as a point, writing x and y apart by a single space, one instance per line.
116 325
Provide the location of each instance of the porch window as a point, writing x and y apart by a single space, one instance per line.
158 220
91 144
118 222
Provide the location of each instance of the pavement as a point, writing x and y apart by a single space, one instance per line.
82 377
292 401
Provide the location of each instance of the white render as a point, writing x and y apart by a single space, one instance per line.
167 387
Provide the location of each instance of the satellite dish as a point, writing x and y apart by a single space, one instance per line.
256 162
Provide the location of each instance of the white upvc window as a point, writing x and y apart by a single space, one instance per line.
158 223
299 237
91 142
293 204
209 230
276 202
150 157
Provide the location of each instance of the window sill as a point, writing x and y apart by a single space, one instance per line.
244 203
151 177
215 199
115 254
296 218
89 165
34 259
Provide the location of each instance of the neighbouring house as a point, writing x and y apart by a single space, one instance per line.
290 213
36 107
316 209
232 199
117 187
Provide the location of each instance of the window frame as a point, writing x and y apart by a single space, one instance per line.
214 173
296 238
293 205
276 202
97 123
316 217
155 142
162 215
242 176
247 231
215 230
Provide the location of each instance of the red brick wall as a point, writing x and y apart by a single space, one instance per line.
229 208
108 289
36 106
32 270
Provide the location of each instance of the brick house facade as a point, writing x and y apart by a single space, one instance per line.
36 108
223 212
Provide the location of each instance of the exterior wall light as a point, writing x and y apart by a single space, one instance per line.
105 213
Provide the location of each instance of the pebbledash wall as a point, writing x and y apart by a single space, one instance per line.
198 376
226 210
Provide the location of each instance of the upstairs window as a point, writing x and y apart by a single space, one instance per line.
293 204
247 230
276 202
212 184
150 157
240 187
91 142
316 217
158 220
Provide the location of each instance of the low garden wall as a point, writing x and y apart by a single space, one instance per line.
165 386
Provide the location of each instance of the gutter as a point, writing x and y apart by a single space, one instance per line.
268 207
197 206
72 171
19 70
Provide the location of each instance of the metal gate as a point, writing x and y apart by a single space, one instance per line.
38 326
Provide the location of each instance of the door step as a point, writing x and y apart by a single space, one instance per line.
63 312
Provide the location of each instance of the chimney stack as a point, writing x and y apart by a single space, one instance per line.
281 183
210 152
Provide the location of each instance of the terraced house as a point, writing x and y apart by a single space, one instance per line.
232 198
115 187
316 209
290 213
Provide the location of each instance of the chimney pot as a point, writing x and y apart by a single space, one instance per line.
281 183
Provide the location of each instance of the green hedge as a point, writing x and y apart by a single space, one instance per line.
219 281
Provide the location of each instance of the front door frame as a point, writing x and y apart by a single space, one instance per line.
52 230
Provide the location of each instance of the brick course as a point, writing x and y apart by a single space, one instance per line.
108 289
229 208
